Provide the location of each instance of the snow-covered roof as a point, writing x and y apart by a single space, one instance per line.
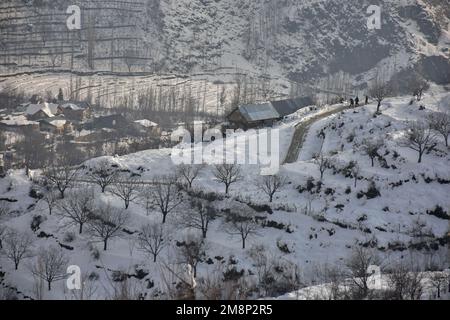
17 121
146 123
258 112
70 106
49 109
58 123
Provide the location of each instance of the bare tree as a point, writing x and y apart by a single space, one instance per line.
51 199
358 265
418 85
271 184
107 223
103 174
192 252
242 222
77 208
61 177
3 234
440 122
379 91
151 240
323 162
33 150
2 141
4 209
371 148
165 194
50 265
54 55
439 282
198 218
405 282
419 137
356 171
17 246
227 174
126 188
188 173
131 58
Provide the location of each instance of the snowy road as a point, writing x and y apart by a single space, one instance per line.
301 129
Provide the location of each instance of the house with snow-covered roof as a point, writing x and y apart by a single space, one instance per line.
265 114
75 110
147 126
56 125
41 111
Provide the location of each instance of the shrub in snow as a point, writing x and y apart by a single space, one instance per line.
439 213
118 276
371 193
95 253
232 274
36 222
35 193
283 246
93 276
208 196
4 209
69 237
8 293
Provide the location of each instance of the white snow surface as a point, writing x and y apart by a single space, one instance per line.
311 242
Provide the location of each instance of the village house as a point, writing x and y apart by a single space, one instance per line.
75 110
114 121
56 125
18 123
265 114
148 127
40 111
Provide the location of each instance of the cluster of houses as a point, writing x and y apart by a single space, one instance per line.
74 119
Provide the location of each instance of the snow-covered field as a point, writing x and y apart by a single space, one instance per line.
307 229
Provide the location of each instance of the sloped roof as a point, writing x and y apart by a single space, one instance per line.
289 106
146 123
71 106
50 109
78 104
20 120
258 112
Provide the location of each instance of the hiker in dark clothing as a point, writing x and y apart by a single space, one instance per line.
351 102
356 101
367 99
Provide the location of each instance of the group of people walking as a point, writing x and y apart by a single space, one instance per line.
355 102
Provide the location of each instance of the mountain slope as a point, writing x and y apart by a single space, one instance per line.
298 40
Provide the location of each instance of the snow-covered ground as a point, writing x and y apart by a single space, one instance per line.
317 228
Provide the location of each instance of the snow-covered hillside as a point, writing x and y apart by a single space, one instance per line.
398 208
298 40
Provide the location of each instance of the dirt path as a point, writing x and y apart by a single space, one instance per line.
300 132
